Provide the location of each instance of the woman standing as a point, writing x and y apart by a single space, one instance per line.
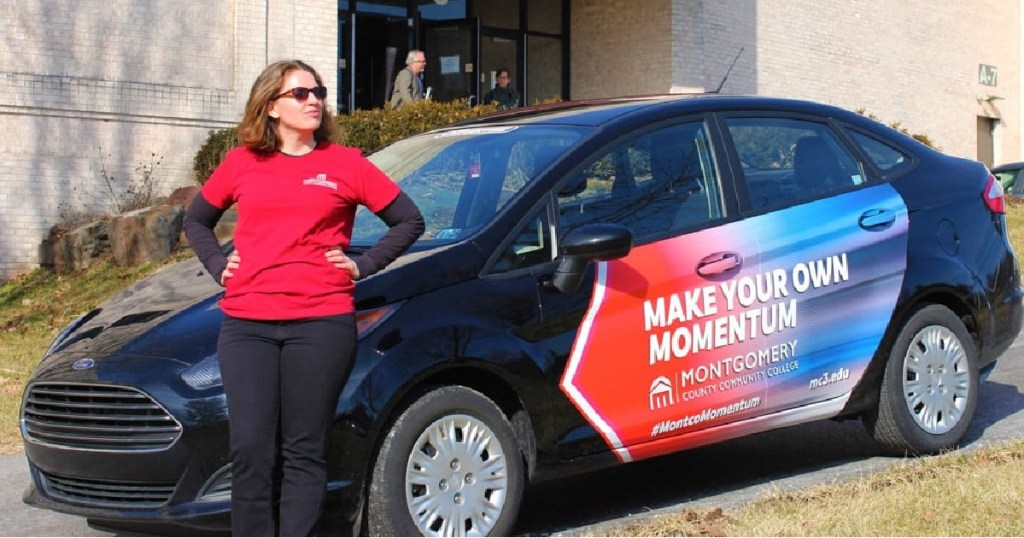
288 336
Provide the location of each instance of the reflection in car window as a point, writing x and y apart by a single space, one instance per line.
785 160
461 178
532 244
885 157
661 182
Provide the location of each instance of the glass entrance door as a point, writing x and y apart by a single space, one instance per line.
499 50
452 51
381 43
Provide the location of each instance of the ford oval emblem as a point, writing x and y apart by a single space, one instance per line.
83 364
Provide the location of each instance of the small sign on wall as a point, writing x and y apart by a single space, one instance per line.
449 65
988 75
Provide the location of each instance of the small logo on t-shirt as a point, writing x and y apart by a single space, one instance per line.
321 181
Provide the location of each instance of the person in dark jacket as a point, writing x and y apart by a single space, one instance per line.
502 94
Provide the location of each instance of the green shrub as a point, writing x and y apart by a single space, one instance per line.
368 130
212 152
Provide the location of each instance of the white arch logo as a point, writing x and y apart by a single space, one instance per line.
661 393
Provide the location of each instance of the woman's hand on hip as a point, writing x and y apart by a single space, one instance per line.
234 260
336 257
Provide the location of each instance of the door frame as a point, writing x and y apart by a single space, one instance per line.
518 38
473 25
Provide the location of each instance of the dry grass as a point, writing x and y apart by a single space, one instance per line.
1015 224
970 493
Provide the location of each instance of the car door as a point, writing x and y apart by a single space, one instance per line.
717 327
834 246
644 360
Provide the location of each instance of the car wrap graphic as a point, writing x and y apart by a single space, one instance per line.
687 337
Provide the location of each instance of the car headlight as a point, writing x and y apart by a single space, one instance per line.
205 374
369 319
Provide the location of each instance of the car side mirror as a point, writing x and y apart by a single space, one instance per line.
592 242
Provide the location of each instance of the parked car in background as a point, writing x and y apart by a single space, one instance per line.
600 282
1008 174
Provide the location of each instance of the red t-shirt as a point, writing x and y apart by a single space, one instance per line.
291 210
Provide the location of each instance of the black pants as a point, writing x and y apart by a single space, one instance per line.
282 380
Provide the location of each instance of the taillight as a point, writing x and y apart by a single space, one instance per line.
993 195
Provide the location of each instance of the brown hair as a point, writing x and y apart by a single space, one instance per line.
258 131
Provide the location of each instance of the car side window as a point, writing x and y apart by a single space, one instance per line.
661 182
885 157
786 159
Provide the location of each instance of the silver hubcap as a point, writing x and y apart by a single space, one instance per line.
936 380
456 479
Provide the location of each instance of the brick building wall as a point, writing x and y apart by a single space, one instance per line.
912 62
620 47
94 89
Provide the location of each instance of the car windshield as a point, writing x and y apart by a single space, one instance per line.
461 178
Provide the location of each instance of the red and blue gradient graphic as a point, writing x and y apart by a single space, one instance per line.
740 328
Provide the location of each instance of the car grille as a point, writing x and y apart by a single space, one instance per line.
97 417
108 494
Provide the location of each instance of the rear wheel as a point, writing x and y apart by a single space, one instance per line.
449 466
930 387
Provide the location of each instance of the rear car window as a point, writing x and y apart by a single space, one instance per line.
885 157
787 159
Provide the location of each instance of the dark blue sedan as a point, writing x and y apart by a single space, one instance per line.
599 282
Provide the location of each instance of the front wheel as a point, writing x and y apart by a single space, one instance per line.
449 466
930 387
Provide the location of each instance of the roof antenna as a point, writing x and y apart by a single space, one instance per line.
727 71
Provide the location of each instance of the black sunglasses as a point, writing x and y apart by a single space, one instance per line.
301 94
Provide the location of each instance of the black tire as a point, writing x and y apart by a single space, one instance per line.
479 439
933 360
